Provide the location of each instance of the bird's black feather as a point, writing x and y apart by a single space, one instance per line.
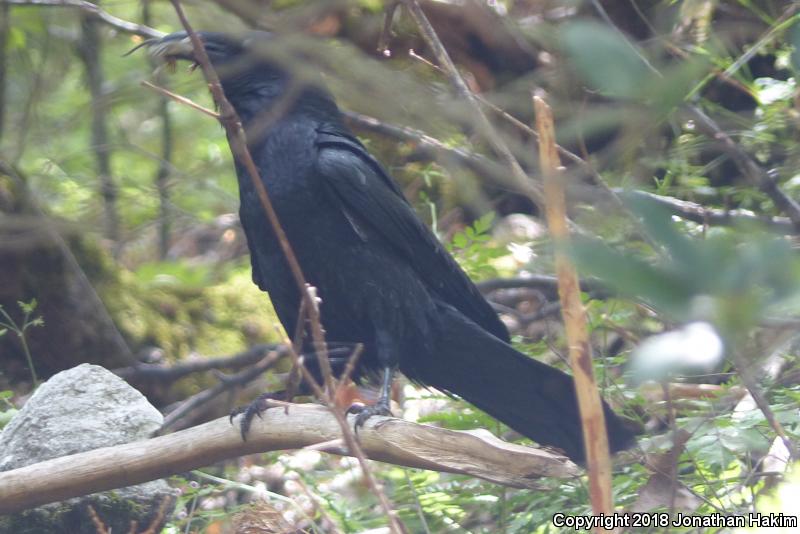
384 279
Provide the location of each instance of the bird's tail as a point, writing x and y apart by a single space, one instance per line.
533 398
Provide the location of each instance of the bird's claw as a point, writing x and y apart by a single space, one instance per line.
365 412
255 408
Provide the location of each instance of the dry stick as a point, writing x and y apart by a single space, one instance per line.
520 179
700 214
238 143
351 366
181 99
592 418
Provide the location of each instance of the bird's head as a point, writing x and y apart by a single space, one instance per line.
256 70
222 49
242 62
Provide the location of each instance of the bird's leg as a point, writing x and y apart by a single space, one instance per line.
382 407
295 386
256 408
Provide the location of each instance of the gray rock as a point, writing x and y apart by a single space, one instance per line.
81 409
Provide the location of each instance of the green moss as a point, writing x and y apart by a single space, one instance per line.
216 318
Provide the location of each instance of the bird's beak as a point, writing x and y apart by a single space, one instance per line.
168 50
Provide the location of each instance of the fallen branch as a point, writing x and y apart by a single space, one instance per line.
385 439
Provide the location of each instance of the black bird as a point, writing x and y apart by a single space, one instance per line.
384 279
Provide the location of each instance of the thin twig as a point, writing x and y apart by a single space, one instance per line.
348 370
199 399
749 382
93 10
388 17
152 372
692 211
511 118
181 99
520 178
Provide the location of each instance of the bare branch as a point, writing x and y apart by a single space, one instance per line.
692 211
169 373
199 399
95 12
520 179
180 99
745 372
385 439
478 163
749 168
545 283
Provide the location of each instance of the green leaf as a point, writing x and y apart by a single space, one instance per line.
16 39
27 307
794 39
632 276
658 224
605 59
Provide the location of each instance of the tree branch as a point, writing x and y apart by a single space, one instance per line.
545 283
385 439
749 168
692 211
239 379
170 373
94 11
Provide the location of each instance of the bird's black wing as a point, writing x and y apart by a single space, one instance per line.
368 195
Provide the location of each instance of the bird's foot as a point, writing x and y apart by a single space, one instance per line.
255 408
365 412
